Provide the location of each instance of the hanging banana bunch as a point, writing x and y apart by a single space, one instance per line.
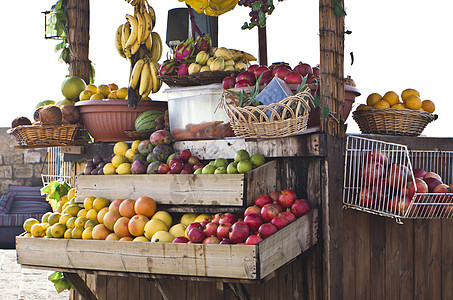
136 41
213 8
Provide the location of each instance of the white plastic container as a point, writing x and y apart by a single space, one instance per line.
193 115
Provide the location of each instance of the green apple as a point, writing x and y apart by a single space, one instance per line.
244 166
198 171
220 170
241 155
220 162
231 169
209 169
257 159
212 163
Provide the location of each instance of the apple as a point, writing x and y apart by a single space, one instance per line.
420 186
432 182
193 160
163 169
252 69
371 172
185 154
432 174
397 174
198 165
399 205
376 155
366 197
174 160
419 173
176 168
442 189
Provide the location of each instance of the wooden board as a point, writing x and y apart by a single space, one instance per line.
225 261
182 189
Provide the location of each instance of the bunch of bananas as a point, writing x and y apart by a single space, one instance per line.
213 8
144 77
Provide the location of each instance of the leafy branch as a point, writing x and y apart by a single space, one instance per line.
61 283
55 190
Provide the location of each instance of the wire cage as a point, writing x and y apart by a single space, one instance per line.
386 179
56 168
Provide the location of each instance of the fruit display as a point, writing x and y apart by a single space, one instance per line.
193 56
103 91
409 99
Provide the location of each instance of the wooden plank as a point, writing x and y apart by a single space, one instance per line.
112 288
447 259
349 255
406 242
420 265
362 256
101 287
434 256
80 286
377 265
165 289
182 189
393 258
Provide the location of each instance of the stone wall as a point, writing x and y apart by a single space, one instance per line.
19 166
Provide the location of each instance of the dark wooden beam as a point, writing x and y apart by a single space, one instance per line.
262 46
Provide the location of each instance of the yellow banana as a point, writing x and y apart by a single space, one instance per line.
149 43
141 28
156 51
248 56
134 30
154 72
148 24
145 77
152 15
118 42
126 32
149 88
239 55
136 72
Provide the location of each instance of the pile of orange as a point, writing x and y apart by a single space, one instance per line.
410 99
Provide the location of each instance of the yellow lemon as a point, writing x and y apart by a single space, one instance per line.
64 218
97 96
140 239
109 169
122 93
49 232
118 159
382 104
373 98
134 145
153 226
82 213
64 199
90 223
104 90
80 222
120 148
124 168
68 233
164 216
92 88
428 106
112 95
70 194
188 218
130 153
113 86
201 217
71 222
54 218
88 202
85 95
162 237
87 233
391 97
77 232
100 202
178 230
58 230
45 217
29 223
399 105
413 102
72 209
408 92
37 230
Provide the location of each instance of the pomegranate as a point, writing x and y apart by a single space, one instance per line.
227 218
211 228
303 69
252 210
260 70
252 69
419 173
277 68
289 216
279 221
239 232
204 223
196 235
253 239
226 241
266 230
287 198
278 206
180 239
292 78
211 240
274 195
246 76
300 207
192 225
253 221
242 83
281 72
261 200
185 154
228 82
269 211
216 218
223 230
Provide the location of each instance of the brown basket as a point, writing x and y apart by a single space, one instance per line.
138 135
44 135
392 121
284 118
198 78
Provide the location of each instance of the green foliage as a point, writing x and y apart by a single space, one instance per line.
55 190
338 8
61 283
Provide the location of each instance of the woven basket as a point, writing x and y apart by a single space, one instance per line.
44 135
198 78
284 118
138 135
393 121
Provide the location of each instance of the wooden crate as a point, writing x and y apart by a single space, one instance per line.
224 261
183 189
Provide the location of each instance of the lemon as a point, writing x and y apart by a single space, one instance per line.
45 217
29 223
120 148
428 106
80 222
413 102
162 237
134 145
117 160
391 97
92 214
124 168
140 239
178 230
68 233
58 230
90 223
72 209
382 104
164 216
201 217
71 222
188 218
408 92
122 93
104 90
100 202
97 96
85 95
92 88
399 105
109 169
112 95
77 232
37 230
373 98
64 218
70 194
87 233
113 86
54 218
130 153
153 226
49 232
82 213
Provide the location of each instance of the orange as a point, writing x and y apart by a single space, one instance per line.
145 206
391 97
413 102
382 104
428 106
408 92
399 105
364 106
373 98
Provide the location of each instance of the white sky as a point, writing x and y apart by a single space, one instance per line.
396 45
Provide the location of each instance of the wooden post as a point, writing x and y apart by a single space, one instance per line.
78 12
262 46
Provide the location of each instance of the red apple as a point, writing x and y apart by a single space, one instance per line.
185 154
371 172
174 160
432 182
442 189
397 175
252 69
419 173
366 197
399 205
198 166
303 69
228 82
420 187
163 169
176 168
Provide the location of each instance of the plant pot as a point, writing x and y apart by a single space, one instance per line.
106 120
350 93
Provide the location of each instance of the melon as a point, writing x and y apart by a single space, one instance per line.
72 87
45 102
145 121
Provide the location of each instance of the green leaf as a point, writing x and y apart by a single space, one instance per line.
60 282
338 8
325 111
317 101
261 19
257 5
55 276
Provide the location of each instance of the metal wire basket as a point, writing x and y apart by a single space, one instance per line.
379 178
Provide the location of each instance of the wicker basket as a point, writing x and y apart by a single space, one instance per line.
138 135
284 118
44 135
392 121
198 78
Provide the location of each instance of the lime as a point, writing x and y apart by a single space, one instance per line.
241 155
232 168
209 169
244 166
257 160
